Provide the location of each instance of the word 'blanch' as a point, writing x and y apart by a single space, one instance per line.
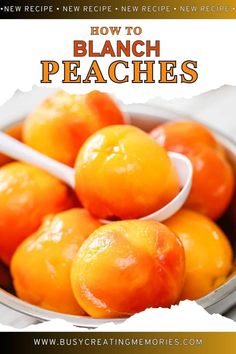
121 70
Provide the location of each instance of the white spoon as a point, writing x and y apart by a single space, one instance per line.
19 151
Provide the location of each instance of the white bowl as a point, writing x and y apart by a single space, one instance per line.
145 117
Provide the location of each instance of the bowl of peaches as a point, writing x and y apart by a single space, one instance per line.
92 247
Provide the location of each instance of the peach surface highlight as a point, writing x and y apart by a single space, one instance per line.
122 173
27 194
127 266
61 124
41 265
208 252
213 179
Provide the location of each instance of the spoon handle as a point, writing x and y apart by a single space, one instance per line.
19 151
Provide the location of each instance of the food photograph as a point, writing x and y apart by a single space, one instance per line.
108 209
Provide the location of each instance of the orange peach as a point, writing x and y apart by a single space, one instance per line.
221 281
15 132
208 252
213 179
61 124
212 185
27 194
181 136
41 265
123 173
127 266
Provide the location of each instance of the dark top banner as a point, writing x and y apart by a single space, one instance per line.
119 9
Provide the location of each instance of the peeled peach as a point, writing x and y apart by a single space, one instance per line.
61 124
41 265
213 183
123 173
27 194
15 132
208 252
181 136
127 266
213 179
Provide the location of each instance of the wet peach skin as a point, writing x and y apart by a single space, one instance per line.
213 179
27 194
41 265
61 124
127 266
123 267
208 253
122 173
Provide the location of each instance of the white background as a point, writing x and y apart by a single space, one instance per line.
24 43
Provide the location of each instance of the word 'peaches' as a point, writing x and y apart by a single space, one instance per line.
123 173
127 266
208 252
41 265
61 124
27 194
213 180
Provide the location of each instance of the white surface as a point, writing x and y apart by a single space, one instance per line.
216 108
22 152
188 316
15 319
209 42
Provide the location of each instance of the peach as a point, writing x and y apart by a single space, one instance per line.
123 173
213 183
127 266
208 252
213 179
27 194
181 136
61 124
41 265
